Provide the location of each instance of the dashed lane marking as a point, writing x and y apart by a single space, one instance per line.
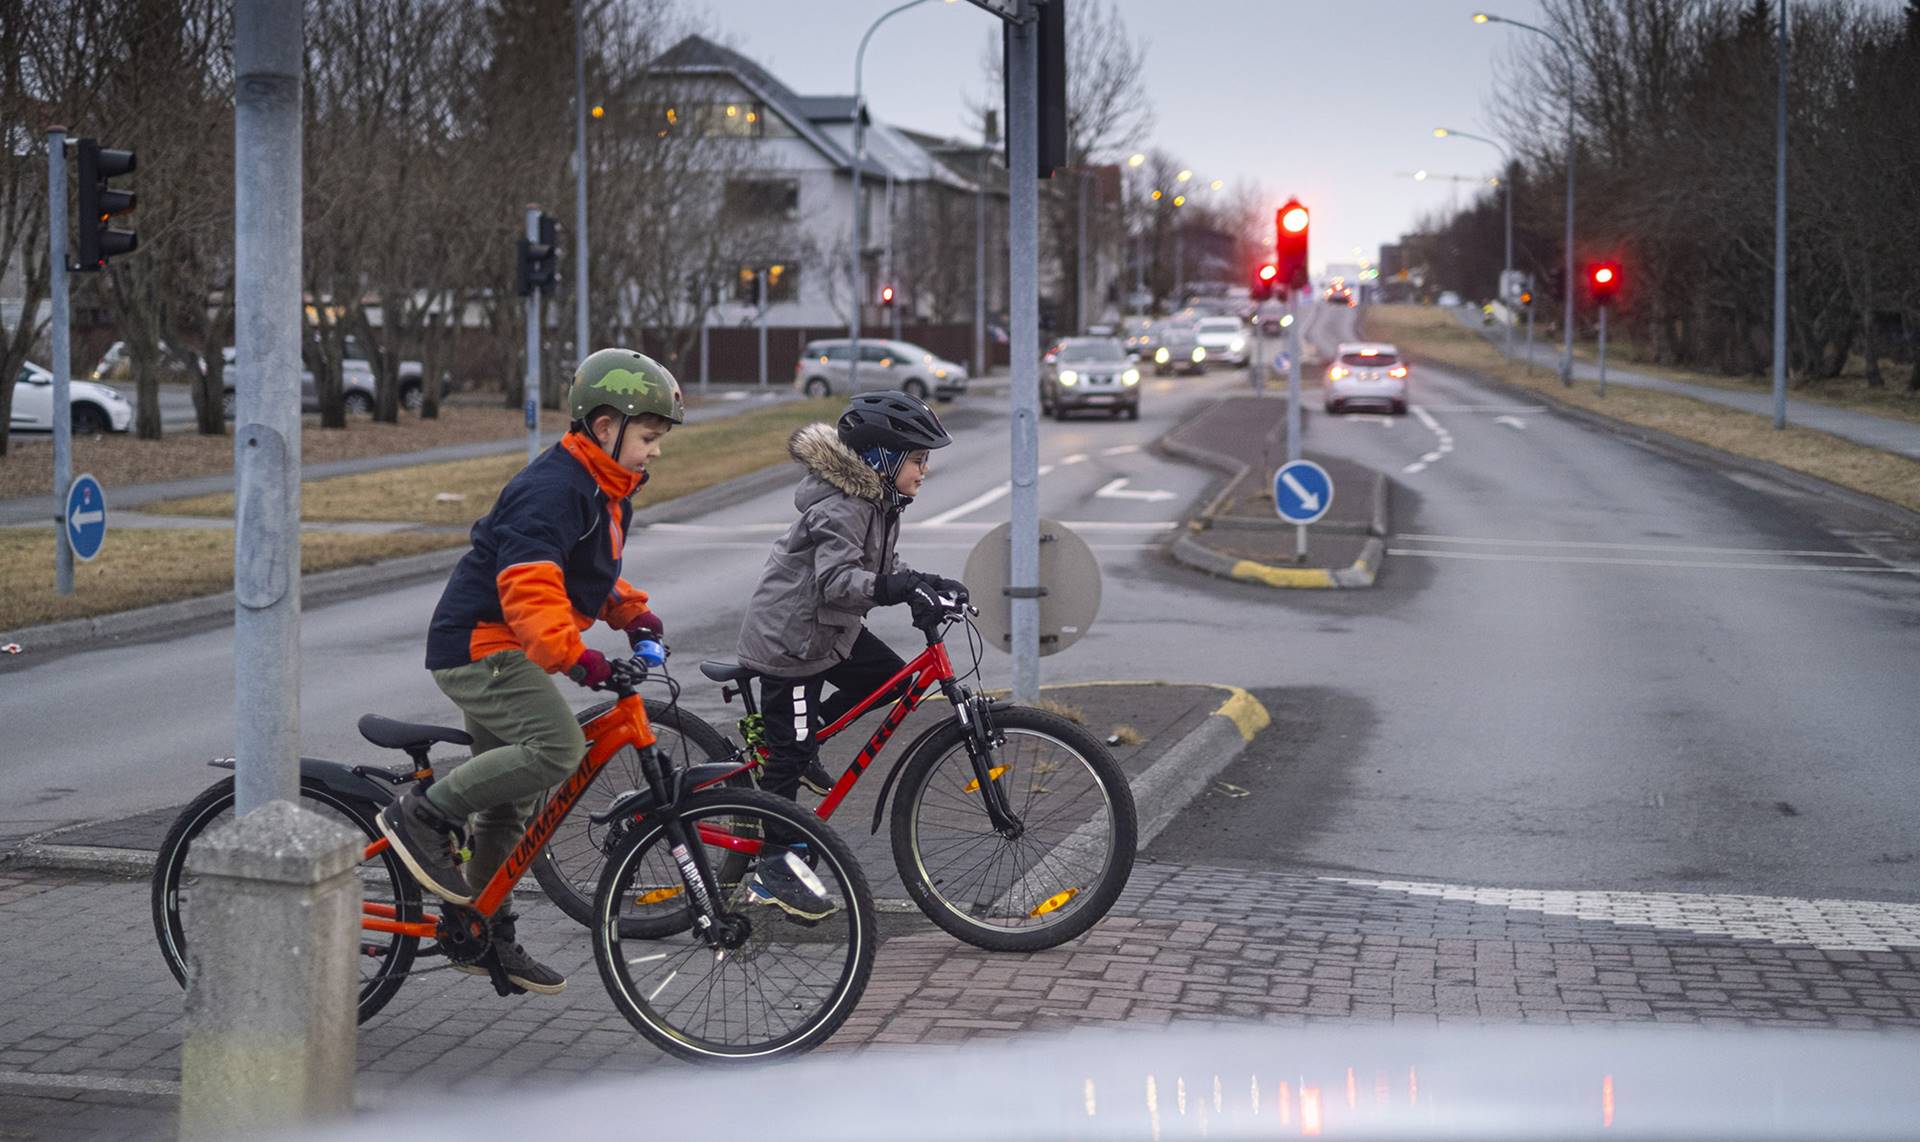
1830 925
1120 450
1443 442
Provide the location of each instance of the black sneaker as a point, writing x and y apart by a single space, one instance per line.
783 879
422 837
521 969
816 778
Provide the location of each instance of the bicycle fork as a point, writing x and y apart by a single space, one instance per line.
975 715
688 853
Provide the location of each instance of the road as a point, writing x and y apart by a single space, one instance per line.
1586 665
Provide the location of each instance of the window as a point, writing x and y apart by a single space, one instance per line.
783 284
763 198
875 354
1081 351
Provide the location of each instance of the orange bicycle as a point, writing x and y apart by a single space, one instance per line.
727 980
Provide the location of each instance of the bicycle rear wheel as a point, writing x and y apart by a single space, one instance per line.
1037 890
385 888
777 986
569 868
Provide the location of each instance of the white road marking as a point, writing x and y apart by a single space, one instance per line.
1443 441
1120 450
1830 925
1510 421
720 528
1414 468
1601 560
1117 489
1430 457
989 496
1076 458
1486 408
1678 550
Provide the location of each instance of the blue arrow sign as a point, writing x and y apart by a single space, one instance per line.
86 516
1302 491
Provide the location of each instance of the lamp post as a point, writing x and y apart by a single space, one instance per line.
1506 176
859 157
1780 239
1566 352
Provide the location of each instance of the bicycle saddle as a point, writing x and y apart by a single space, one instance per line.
390 734
727 670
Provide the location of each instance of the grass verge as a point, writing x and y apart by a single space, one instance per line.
141 567
1433 334
694 457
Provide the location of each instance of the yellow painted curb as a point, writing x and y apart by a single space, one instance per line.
1282 576
1241 708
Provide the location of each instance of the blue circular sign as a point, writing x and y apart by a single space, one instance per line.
86 516
1302 491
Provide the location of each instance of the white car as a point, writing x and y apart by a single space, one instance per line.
1366 373
96 408
1224 339
1449 299
822 369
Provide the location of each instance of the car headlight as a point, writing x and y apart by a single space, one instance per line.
1161 356
1130 377
1238 344
1069 378
1199 354
1336 373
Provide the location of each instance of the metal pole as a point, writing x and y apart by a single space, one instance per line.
1023 123
1179 264
1293 404
1506 271
62 356
580 346
1259 354
268 66
1529 340
1566 353
886 259
1603 350
706 316
533 349
760 300
980 267
1080 255
1780 239
859 156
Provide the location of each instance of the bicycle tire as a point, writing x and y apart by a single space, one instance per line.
943 842
391 956
568 867
839 948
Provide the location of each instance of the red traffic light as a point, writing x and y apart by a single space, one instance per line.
1264 281
1290 245
1603 279
1294 218
886 295
1269 272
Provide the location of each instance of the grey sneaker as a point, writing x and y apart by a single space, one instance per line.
521 969
783 880
816 778
423 838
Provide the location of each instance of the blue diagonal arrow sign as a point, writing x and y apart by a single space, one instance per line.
1302 491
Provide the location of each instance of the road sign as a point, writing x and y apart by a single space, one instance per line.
86 516
1282 362
1069 578
1302 491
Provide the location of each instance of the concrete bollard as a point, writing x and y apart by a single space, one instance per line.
273 935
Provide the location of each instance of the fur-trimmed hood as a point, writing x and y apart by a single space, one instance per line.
817 448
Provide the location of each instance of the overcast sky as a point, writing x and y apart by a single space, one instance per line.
1327 100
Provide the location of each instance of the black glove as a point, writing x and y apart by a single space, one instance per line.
895 587
952 588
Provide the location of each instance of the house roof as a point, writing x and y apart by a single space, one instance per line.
697 55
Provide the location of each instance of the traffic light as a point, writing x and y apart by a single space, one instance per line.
1290 245
1603 279
886 296
1263 279
99 202
1526 299
539 262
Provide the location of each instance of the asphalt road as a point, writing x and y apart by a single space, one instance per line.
1586 664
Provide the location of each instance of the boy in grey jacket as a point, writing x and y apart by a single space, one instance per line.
804 628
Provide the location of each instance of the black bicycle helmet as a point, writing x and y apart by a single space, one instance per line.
891 420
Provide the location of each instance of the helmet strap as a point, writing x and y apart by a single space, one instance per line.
620 437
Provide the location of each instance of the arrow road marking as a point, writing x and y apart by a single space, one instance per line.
1510 421
1118 490
1308 500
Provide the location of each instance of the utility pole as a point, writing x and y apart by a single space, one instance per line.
980 266
1023 306
760 300
1780 239
62 355
1080 253
533 347
580 347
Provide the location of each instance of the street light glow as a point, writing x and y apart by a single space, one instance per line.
1419 176
1179 200
1135 160
1158 195
1217 183
599 112
1441 132
1481 17
1183 176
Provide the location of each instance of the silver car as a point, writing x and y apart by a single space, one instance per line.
1090 373
1367 373
822 370
1224 339
1178 349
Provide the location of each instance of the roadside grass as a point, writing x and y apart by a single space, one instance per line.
1435 335
142 567
456 492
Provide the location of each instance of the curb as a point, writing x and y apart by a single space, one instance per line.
325 587
1159 794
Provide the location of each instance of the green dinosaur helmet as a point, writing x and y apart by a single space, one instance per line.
631 382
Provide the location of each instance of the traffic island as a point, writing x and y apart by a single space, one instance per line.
1238 535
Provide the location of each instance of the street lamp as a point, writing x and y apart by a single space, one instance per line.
1566 352
1507 177
859 157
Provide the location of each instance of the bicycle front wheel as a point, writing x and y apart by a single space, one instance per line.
769 984
1052 881
569 868
385 888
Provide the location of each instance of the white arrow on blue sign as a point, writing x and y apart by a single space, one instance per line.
1302 491
86 516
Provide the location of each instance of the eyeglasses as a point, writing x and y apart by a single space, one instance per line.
920 460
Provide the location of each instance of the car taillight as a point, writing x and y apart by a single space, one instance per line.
1397 371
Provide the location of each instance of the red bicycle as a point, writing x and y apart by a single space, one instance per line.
1013 828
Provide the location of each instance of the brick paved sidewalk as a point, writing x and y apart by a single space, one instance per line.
86 994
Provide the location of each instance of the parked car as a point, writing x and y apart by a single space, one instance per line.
1366 373
1090 373
822 369
1178 348
1449 299
95 408
412 374
1224 339
356 385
